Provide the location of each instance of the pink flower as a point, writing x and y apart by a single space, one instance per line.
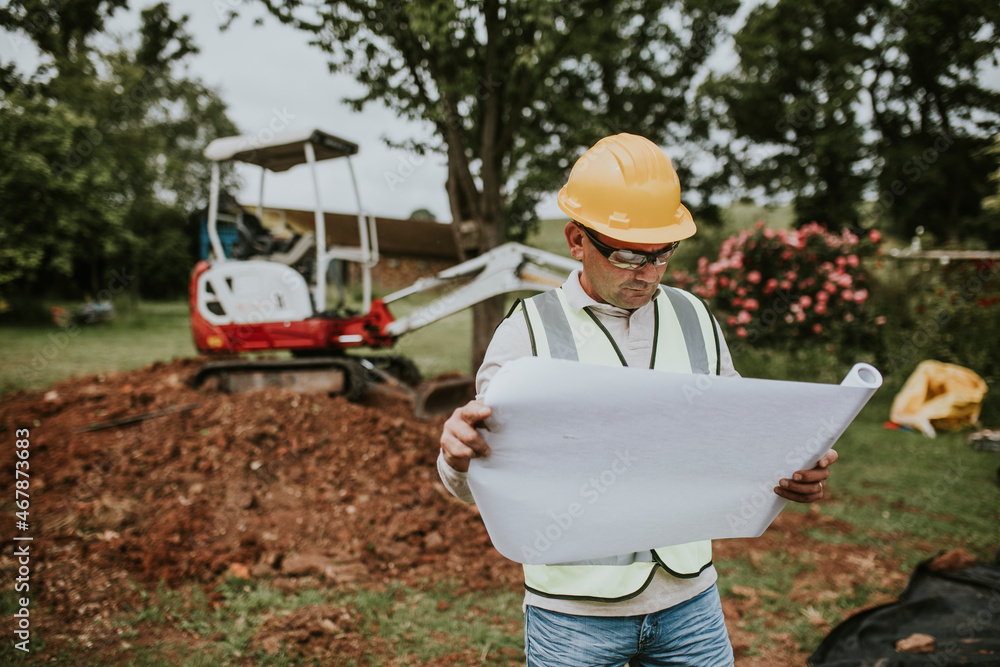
818 328
880 320
731 320
860 295
723 282
849 317
753 277
820 308
852 260
805 301
800 316
770 285
741 332
822 296
751 304
785 284
847 295
743 317
874 236
791 275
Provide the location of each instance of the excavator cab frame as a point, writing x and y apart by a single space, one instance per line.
282 152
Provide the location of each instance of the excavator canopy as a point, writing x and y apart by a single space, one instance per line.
280 152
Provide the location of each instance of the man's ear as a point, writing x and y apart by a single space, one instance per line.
574 238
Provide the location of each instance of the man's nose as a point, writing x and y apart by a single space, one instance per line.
648 273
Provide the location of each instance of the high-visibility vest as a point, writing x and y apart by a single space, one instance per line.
559 332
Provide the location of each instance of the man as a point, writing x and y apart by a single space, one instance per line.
659 607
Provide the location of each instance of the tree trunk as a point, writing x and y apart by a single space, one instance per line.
486 315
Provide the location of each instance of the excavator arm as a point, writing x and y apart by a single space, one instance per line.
511 267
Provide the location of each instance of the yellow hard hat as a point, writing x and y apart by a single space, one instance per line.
626 188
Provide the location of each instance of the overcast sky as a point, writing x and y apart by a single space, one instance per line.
270 78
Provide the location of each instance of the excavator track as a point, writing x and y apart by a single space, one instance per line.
348 376
340 375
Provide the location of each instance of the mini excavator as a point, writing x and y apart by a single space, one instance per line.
258 298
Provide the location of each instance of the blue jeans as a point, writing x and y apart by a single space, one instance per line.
692 633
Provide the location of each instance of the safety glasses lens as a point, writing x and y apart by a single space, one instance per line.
626 259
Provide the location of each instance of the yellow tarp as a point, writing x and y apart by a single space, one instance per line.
939 395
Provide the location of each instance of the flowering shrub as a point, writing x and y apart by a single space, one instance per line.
771 286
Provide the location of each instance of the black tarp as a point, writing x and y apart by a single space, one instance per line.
961 610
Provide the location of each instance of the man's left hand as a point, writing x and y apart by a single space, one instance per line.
807 486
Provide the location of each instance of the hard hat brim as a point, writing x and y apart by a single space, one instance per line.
678 229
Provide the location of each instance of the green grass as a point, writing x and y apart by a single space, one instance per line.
744 216
444 346
37 356
416 627
902 488
550 236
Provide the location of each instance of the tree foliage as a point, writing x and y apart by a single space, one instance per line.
99 147
863 99
516 91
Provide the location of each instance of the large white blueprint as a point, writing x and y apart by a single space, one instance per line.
589 462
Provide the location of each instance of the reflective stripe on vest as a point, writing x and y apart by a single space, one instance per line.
557 331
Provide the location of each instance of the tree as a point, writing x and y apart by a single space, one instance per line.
515 91
49 219
841 102
992 203
99 145
422 214
50 216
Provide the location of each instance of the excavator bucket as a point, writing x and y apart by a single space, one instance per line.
441 396
430 398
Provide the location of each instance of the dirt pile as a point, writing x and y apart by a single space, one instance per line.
264 484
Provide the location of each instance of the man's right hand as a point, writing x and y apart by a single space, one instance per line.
460 441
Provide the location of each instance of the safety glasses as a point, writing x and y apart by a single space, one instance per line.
632 260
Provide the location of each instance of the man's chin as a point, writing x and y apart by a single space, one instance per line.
635 298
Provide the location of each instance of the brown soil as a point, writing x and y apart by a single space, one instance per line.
289 488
